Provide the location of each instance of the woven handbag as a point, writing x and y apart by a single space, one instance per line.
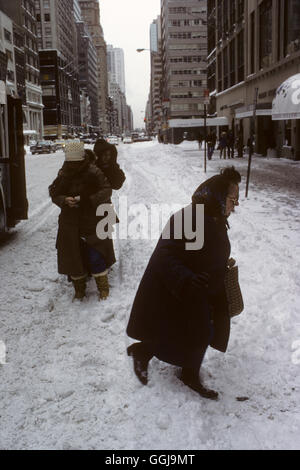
233 291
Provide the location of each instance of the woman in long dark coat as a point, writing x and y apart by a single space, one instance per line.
78 190
180 307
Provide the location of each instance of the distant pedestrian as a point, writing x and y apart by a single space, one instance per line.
180 307
78 190
211 143
240 145
230 144
223 145
200 140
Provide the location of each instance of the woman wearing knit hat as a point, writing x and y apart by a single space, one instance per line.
180 307
78 190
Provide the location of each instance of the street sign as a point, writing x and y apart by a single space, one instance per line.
206 100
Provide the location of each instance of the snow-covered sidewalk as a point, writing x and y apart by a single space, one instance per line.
68 383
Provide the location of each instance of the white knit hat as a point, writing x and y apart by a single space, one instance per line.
74 152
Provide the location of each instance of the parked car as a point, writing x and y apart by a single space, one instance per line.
127 140
113 139
43 146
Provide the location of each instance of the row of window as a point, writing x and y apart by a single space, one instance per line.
188 72
187 47
180 23
186 107
188 59
187 83
192 35
185 10
47 17
195 94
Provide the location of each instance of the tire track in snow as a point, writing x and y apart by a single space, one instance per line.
36 220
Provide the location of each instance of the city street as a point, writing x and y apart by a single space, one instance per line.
68 383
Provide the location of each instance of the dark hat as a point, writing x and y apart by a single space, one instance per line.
213 192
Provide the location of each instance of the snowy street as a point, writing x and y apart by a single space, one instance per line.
68 383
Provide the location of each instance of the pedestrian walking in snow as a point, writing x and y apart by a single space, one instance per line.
180 307
78 190
230 144
223 145
211 142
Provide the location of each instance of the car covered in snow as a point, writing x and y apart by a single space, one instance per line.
43 146
127 140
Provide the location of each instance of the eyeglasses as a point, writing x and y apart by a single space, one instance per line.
235 201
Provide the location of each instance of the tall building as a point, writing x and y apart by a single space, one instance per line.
257 47
27 71
184 52
88 74
116 87
116 66
90 11
154 111
57 38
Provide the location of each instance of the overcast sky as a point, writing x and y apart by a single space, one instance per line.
126 25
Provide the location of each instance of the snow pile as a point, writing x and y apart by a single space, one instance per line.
68 383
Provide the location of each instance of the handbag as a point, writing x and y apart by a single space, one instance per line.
233 290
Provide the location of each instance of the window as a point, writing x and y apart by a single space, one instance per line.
220 81
241 57
9 55
225 67
7 35
252 39
47 17
291 26
232 62
265 27
10 75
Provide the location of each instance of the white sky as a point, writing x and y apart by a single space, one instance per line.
126 24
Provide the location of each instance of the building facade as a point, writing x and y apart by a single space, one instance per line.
90 11
154 111
184 53
116 66
27 71
116 88
257 48
88 75
8 67
57 42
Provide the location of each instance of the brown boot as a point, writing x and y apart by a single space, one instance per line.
79 287
102 284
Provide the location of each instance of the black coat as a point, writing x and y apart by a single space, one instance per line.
172 318
75 223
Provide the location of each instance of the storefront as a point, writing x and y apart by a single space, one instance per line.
286 112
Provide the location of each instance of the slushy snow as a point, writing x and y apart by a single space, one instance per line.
68 383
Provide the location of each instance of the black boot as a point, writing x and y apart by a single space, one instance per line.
141 360
190 378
